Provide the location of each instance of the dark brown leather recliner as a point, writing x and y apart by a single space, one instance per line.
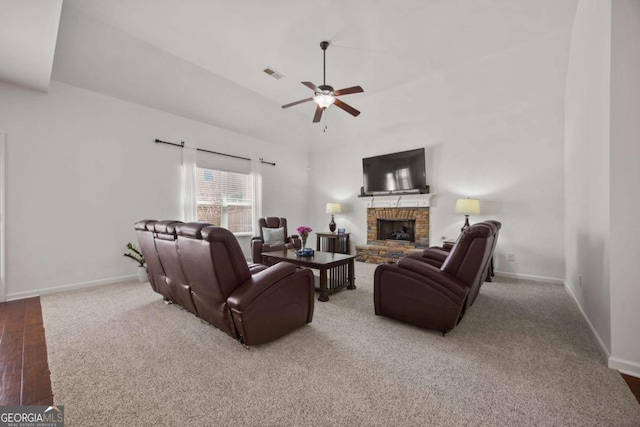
436 255
175 288
415 292
254 308
203 269
176 280
155 272
261 244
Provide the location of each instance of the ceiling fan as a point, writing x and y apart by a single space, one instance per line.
324 95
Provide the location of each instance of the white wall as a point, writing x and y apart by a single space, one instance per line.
82 168
103 59
601 138
493 129
625 178
587 165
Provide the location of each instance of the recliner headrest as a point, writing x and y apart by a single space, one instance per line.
495 223
477 230
167 227
192 229
145 225
217 234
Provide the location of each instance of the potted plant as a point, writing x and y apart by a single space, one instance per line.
135 254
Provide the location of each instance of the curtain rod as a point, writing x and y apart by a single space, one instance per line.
181 145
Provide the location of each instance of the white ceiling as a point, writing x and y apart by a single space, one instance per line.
378 45
203 59
28 32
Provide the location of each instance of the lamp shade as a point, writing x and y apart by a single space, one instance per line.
324 100
468 206
333 208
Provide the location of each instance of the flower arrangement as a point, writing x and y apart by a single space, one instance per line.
304 231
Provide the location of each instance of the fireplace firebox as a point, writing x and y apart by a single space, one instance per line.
397 229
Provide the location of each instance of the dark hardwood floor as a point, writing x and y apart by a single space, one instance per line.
24 369
634 385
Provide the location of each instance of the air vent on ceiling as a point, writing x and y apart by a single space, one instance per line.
273 73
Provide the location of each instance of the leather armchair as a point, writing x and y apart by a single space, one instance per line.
436 255
416 292
260 244
254 308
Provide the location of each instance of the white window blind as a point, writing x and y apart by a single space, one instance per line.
225 198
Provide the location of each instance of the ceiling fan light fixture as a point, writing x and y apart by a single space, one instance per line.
324 95
324 100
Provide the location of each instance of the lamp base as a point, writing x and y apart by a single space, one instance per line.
332 225
466 223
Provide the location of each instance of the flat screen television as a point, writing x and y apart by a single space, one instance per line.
395 172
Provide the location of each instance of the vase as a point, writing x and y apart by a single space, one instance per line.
304 241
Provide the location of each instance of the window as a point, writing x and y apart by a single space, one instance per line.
225 199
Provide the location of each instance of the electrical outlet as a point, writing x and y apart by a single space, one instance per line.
511 257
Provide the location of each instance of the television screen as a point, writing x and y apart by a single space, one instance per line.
395 172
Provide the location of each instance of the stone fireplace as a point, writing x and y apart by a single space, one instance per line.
393 232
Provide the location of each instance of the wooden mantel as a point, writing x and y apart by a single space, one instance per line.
398 201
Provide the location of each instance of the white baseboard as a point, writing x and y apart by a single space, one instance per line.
603 348
35 293
530 277
625 366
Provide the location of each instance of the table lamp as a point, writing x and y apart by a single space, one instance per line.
467 207
332 208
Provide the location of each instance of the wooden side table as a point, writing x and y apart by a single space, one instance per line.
333 242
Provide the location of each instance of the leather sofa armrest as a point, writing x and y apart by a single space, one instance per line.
256 249
272 248
256 268
418 257
435 253
297 243
434 275
246 293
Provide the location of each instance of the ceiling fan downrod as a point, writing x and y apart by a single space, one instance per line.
324 45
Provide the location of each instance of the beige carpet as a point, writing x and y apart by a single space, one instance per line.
523 355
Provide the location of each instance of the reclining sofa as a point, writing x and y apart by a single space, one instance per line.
202 268
416 291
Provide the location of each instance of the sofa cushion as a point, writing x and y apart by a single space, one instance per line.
273 236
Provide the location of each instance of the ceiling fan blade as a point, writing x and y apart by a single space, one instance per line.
347 91
318 115
346 107
311 86
297 102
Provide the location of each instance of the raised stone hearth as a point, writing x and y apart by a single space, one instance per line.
379 250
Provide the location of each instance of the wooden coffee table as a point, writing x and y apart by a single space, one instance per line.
336 270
